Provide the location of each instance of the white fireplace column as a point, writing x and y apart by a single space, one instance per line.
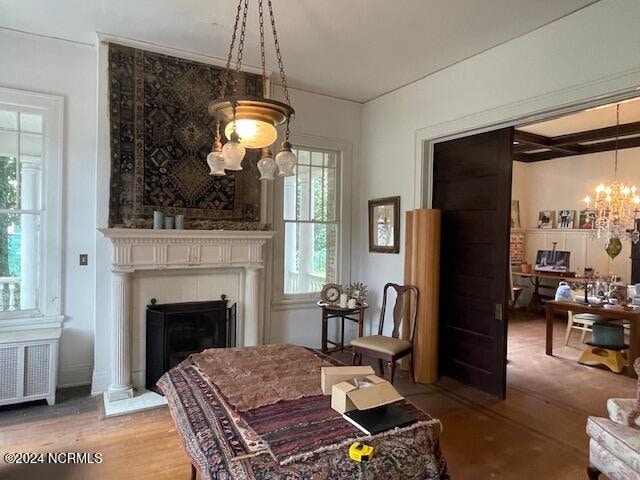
252 335
121 386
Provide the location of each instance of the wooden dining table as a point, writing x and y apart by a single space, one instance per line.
615 312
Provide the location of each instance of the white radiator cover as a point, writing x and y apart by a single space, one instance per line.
29 365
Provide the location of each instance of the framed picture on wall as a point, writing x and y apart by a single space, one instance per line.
515 214
545 219
384 225
566 218
586 219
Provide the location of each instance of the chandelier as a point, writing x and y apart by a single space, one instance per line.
616 207
251 121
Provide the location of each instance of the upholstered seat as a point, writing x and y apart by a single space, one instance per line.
622 441
392 348
380 343
614 445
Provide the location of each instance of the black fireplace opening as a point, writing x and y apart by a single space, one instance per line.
176 330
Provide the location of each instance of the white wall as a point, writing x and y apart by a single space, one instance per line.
331 119
590 53
67 69
562 183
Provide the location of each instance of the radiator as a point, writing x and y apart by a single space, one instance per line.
28 365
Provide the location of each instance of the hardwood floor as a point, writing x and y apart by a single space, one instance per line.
537 432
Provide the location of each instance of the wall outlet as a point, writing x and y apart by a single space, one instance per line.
84 259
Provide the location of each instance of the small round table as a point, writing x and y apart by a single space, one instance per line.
331 310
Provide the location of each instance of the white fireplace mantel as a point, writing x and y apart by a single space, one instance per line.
146 249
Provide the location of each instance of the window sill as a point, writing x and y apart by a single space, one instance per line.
294 304
21 323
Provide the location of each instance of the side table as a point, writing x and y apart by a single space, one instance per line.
330 310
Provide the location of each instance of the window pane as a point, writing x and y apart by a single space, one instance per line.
303 194
31 144
31 122
310 257
19 261
8 182
289 200
8 120
8 144
317 159
331 194
303 157
318 209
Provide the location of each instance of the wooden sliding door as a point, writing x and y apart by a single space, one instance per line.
472 188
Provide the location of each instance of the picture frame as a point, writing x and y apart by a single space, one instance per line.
586 219
515 214
546 219
384 225
566 219
552 261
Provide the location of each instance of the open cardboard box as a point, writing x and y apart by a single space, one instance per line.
329 376
371 392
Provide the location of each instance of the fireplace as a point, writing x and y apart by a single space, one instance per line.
176 330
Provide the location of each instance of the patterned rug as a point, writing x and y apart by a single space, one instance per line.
224 444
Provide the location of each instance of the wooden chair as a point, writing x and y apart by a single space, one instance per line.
391 349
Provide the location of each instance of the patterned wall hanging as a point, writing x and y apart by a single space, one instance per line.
160 136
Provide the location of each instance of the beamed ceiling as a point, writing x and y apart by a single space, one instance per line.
589 131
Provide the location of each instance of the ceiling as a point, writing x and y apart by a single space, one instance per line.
355 49
587 131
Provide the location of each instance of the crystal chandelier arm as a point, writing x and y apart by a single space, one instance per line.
225 78
278 55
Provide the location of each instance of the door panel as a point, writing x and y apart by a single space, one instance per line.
472 187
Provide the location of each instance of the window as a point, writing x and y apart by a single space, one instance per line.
311 213
30 157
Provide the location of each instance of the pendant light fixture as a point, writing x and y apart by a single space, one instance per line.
616 207
251 121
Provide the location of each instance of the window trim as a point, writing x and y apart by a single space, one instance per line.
51 107
280 300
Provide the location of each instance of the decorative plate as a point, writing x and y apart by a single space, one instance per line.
331 292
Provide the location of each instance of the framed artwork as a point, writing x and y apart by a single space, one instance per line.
552 261
566 218
587 219
384 225
515 214
545 219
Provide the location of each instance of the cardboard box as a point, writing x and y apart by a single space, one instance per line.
373 392
329 376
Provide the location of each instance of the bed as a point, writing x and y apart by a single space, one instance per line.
257 413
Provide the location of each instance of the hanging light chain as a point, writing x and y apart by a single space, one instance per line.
240 47
615 168
225 78
278 55
262 54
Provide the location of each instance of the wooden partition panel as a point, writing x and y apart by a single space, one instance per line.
422 269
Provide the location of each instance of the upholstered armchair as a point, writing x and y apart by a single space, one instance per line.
614 442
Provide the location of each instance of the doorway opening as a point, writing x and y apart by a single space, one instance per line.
510 197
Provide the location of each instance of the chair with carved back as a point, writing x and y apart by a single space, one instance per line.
391 349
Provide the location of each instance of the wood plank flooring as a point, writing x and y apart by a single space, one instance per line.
537 432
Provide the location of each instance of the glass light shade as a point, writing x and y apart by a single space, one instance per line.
267 167
253 133
286 161
216 163
233 154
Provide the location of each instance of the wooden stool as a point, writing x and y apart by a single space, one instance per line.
614 358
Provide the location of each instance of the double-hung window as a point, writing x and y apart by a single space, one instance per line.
30 148
311 214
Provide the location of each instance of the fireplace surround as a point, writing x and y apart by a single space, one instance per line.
146 250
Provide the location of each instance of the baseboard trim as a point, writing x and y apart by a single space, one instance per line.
74 375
